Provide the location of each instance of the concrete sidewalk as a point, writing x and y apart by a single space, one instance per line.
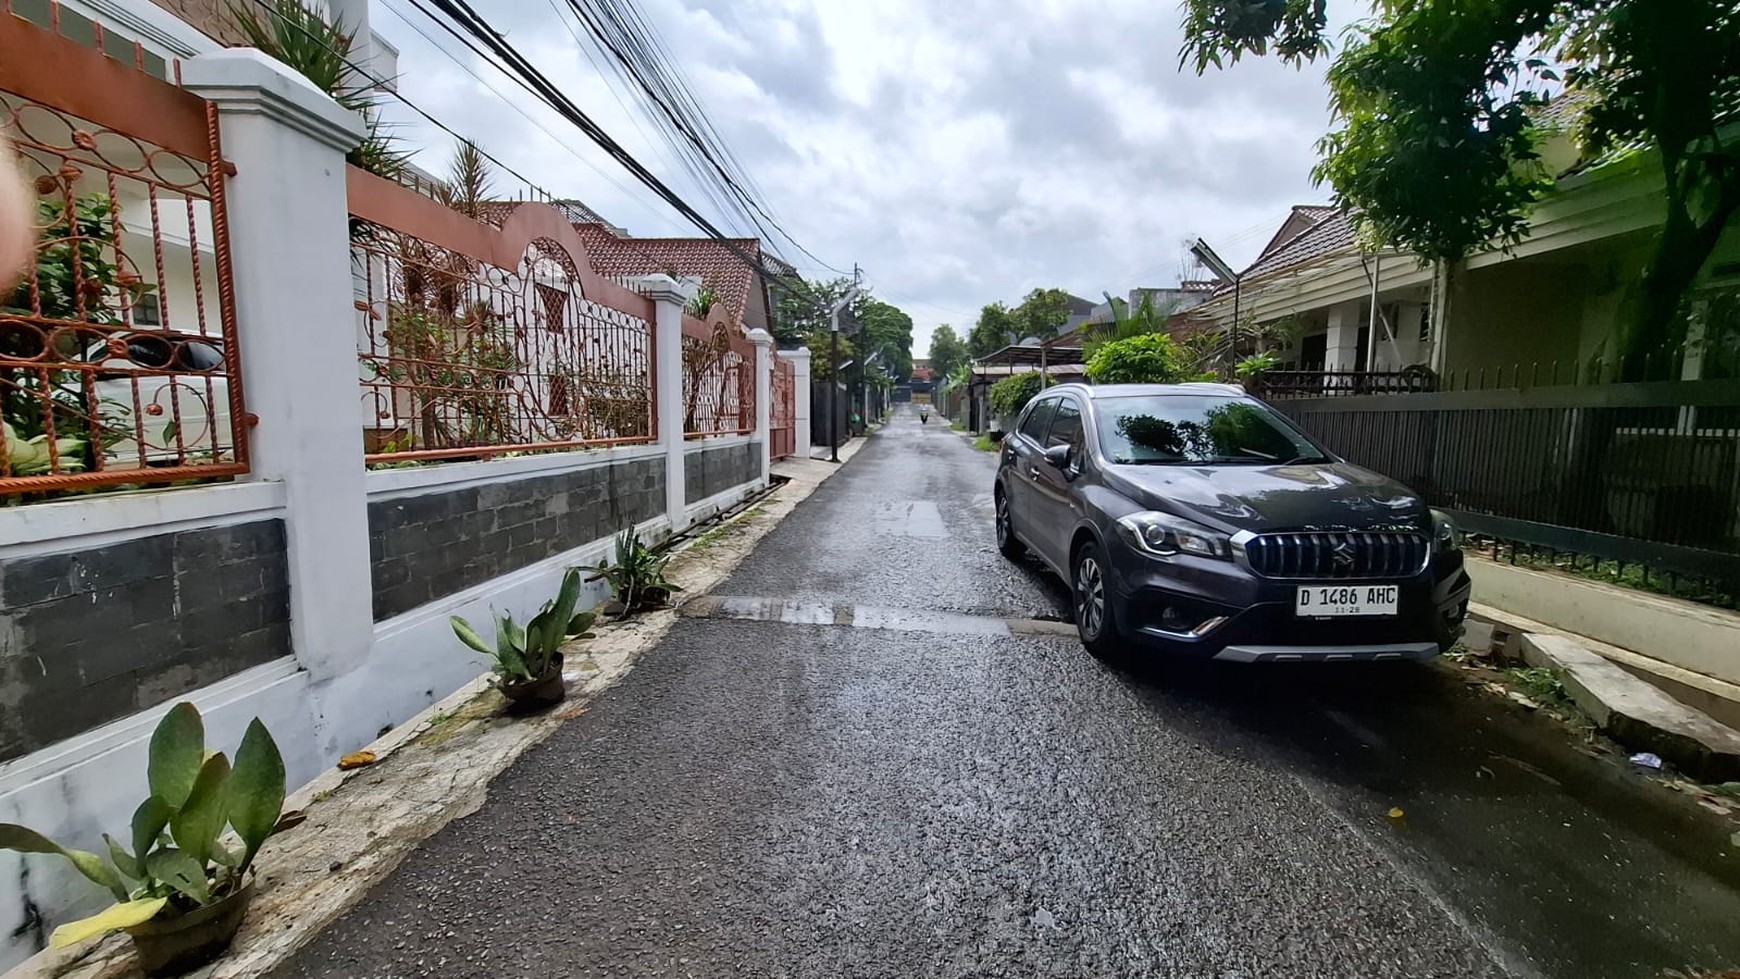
435 768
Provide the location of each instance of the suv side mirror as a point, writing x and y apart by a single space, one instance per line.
1058 455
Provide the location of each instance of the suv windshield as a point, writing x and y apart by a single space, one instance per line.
1170 429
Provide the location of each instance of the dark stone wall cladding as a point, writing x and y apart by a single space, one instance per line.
424 547
93 635
708 472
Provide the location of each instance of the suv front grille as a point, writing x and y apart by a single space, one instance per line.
1337 554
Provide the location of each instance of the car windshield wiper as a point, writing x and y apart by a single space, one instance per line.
1304 459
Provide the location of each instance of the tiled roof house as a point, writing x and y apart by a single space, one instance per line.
1551 299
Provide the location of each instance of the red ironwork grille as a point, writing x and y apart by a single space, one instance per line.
718 379
464 359
118 358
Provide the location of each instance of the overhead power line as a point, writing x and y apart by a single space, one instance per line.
467 20
641 60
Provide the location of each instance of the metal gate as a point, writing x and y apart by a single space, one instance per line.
783 411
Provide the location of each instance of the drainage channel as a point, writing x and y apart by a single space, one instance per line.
749 609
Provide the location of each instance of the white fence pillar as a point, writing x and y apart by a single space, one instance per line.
801 395
763 341
1341 346
669 299
295 323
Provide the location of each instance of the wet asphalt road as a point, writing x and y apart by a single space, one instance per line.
773 799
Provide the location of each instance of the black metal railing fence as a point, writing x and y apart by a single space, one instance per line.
1644 474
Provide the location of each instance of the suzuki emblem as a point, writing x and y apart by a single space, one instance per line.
1342 553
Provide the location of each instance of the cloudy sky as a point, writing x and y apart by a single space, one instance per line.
961 151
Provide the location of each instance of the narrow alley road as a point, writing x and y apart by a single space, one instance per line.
845 764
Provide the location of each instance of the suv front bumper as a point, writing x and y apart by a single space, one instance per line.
1217 609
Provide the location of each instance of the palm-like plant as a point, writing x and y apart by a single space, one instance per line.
703 302
320 52
1147 317
467 185
637 578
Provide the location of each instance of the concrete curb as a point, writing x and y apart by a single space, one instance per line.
429 771
1636 714
1717 698
1696 638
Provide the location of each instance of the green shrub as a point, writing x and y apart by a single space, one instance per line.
1256 364
1012 393
1147 359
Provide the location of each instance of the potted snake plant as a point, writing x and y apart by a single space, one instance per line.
527 660
637 577
182 888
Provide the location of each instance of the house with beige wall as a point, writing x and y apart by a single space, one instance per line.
1550 303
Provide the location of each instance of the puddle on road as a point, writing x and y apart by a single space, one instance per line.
751 609
907 518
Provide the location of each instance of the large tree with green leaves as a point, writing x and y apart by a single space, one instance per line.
997 328
803 317
947 352
801 311
887 330
1043 313
1435 150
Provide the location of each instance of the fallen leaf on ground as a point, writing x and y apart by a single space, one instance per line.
1524 700
356 759
1484 772
1398 814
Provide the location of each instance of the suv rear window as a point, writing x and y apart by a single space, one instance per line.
1184 429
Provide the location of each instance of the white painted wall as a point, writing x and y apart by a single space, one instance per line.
348 677
804 392
79 789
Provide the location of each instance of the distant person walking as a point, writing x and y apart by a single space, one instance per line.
924 416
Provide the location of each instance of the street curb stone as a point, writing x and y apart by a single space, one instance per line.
1636 714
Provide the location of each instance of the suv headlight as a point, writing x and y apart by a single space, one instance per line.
1163 535
1445 536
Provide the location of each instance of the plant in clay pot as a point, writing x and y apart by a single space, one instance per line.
182 888
527 660
637 578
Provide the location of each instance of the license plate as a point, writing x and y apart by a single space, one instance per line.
1328 601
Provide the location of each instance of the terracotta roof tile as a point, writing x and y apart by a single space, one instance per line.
1302 218
1332 234
613 253
711 261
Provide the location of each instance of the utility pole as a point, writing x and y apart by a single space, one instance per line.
834 363
1208 257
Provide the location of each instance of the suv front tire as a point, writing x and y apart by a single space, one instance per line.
1096 621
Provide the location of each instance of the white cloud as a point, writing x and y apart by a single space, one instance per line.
963 151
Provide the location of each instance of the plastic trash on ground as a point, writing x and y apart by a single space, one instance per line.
1645 759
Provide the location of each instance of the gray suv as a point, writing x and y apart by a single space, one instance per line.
1194 519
